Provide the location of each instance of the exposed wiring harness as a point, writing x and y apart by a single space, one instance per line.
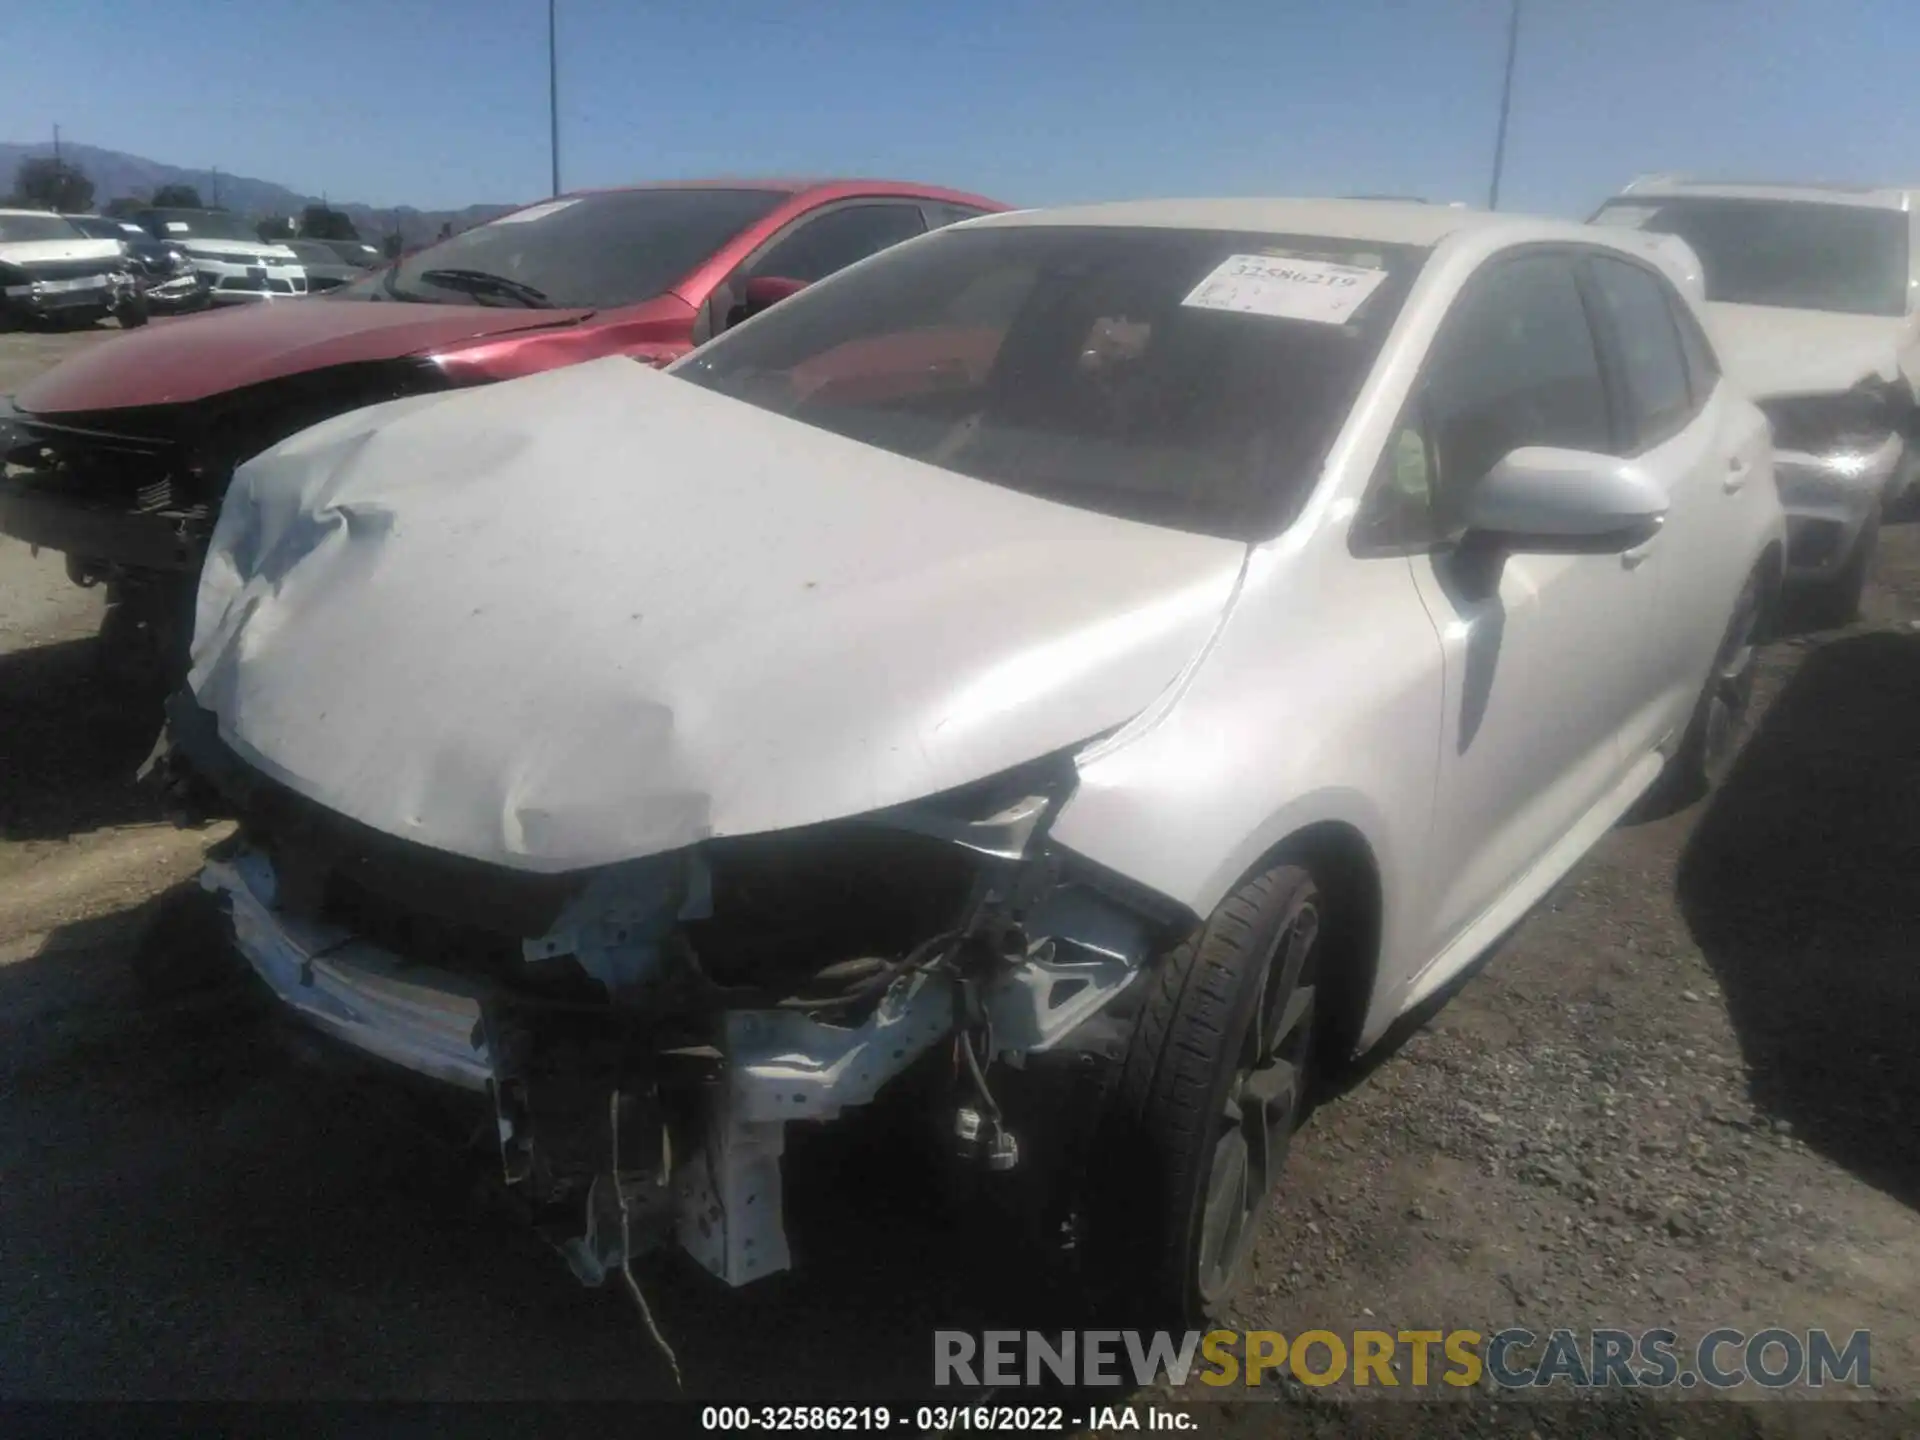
626 1244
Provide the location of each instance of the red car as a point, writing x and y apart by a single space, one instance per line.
122 453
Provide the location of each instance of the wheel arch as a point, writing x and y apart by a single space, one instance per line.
1343 861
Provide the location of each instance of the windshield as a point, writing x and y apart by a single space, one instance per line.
1189 379
591 252
15 229
197 225
94 227
1802 255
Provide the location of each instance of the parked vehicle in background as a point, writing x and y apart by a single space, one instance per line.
1076 668
53 273
163 275
238 266
1812 295
324 268
124 451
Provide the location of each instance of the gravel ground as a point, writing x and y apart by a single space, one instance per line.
1683 1093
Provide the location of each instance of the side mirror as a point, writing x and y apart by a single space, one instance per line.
1543 499
763 292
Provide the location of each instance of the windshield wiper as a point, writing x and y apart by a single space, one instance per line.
482 282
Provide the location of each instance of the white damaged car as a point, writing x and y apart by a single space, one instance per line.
1813 296
1083 668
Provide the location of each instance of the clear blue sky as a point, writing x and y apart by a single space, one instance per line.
442 104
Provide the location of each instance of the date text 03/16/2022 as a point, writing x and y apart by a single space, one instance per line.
936 1419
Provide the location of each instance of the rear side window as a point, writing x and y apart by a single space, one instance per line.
1653 366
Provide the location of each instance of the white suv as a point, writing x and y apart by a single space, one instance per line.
1811 294
238 265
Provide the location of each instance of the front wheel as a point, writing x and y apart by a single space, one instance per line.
1213 1086
133 312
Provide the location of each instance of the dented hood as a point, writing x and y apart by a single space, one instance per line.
1773 351
206 355
601 613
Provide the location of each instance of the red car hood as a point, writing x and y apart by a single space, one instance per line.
211 354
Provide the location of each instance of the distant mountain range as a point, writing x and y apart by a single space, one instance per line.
115 174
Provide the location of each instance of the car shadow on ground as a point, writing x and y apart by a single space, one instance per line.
1801 885
194 1208
71 741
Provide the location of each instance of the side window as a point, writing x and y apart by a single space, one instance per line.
1514 364
940 214
838 238
1659 398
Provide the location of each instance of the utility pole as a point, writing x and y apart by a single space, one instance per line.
56 145
1506 106
216 187
553 90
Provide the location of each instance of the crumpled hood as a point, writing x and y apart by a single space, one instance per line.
251 344
600 613
1771 351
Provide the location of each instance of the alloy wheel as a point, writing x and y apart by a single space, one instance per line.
1263 1102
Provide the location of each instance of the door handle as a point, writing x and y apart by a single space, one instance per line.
1736 475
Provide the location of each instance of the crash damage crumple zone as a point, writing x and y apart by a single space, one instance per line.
603 613
774 780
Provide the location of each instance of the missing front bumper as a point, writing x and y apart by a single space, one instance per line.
637 1132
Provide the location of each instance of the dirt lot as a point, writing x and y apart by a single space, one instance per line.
1684 1093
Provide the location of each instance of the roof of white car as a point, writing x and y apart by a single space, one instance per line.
1386 222
1876 197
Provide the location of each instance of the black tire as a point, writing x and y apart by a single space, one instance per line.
1204 1095
133 314
1835 602
1725 705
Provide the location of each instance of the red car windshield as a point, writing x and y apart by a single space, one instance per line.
590 252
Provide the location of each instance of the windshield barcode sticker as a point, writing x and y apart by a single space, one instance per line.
1316 290
534 212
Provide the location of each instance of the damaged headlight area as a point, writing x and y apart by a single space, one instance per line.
1856 422
645 1034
